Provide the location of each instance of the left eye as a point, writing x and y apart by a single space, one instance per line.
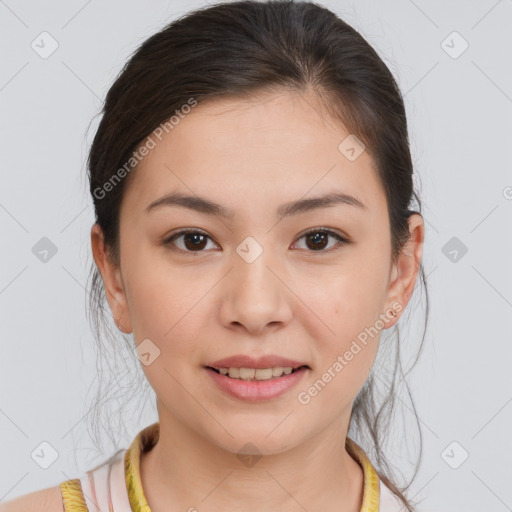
316 240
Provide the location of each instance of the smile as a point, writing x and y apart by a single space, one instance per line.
259 374
256 384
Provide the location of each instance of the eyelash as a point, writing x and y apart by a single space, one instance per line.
169 241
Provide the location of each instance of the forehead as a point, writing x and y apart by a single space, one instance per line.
269 148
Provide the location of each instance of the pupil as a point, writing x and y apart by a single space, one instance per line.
317 238
189 236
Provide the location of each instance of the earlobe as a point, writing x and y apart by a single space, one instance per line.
112 279
405 270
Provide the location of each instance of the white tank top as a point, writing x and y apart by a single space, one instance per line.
104 488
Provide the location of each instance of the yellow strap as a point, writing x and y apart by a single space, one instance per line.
371 492
72 496
144 440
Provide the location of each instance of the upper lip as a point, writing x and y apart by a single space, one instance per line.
246 361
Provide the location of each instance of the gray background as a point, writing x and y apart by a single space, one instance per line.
460 116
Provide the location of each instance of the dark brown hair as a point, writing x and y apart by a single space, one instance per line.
237 50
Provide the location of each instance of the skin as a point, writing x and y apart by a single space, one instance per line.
252 156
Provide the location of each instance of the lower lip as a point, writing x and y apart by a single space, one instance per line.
256 390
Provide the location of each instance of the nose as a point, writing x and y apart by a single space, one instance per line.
255 294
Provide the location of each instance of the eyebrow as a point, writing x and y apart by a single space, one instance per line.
205 206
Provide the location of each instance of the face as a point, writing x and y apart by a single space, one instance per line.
303 286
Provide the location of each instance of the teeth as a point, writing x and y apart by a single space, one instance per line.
256 374
234 373
263 374
277 371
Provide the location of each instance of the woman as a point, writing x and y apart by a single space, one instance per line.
252 184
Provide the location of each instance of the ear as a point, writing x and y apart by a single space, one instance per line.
112 280
405 270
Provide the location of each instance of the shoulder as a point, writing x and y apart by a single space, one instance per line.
44 500
389 501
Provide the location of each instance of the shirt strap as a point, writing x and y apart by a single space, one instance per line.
72 496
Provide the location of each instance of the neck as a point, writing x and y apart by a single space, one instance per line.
185 470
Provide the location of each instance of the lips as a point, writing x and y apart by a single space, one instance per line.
256 390
246 361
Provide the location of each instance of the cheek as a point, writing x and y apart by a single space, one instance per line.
346 352
165 324
164 314
159 294
348 306
168 307
350 296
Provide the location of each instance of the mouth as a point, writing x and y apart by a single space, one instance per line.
257 374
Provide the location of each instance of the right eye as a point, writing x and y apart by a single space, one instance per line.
193 241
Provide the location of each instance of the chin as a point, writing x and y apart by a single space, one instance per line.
257 440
